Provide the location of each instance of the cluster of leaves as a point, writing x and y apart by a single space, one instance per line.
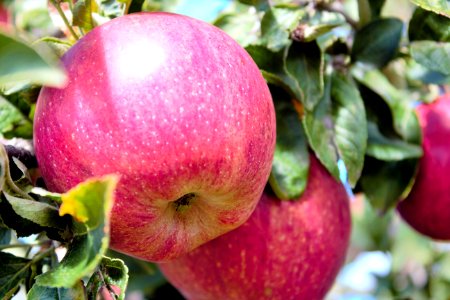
347 90
75 223
344 89
334 86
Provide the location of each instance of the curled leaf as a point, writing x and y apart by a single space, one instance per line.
84 202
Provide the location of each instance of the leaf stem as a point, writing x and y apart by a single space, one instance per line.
66 21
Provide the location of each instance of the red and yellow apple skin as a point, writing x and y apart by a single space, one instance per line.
286 250
427 207
175 107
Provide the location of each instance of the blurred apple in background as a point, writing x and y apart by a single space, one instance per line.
427 208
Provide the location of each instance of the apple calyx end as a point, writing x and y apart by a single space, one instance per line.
182 203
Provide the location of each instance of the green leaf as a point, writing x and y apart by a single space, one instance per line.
377 42
22 226
91 203
291 160
305 63
112 275
240 26
441 7
445 264
350 124
433 55
6 182
144 276
113 8
5 234
83 14
154 5
310 32
88 201
12 122
13 270
22 63
406 123
40 213
276 25
384 183
82 257
23 97
319 129
257 3
389 149
416 73
38 292
273 68
426 25
58 46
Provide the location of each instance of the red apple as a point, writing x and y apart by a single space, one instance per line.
286 250
5 16
180 111
427 208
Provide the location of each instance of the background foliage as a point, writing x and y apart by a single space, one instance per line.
352 70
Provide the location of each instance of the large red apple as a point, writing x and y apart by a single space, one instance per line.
427 208
180 111
286 250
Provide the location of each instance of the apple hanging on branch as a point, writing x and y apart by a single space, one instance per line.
175 107
286 250
426 208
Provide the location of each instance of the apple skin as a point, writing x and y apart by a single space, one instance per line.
5 16
427 207
175 107
286 250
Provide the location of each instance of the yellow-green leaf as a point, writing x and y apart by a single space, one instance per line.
91 201
86 202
